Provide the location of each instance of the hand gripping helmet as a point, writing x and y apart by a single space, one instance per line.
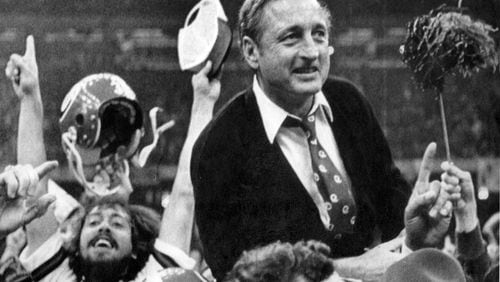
99 115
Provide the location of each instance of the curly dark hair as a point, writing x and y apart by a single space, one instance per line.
145 224
280 262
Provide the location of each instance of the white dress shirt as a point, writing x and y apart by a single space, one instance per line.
293 141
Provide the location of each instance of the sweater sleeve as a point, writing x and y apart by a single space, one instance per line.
471 252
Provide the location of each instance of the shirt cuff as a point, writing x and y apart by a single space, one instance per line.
179 256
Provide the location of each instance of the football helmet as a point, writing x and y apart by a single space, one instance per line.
206 35
101 124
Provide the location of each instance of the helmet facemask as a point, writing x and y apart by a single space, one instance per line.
102 127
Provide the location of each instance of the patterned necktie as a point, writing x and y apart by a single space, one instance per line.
334 189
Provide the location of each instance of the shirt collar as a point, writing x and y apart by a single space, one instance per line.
273 115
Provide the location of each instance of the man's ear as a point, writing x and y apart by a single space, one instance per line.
250 52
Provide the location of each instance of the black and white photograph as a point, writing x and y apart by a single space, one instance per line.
249 140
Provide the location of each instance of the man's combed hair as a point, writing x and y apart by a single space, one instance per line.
249 17
251 14
280 262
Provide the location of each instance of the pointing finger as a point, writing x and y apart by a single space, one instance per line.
426 166
30 48
45 168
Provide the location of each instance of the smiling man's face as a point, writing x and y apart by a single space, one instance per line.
106 235
292 58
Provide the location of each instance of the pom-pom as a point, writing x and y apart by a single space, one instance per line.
445 41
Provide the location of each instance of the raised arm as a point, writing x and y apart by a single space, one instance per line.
23 72
471 248
178 216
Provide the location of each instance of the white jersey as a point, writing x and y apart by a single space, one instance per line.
63 207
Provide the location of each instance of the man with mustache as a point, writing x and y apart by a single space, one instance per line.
298 155
111 240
